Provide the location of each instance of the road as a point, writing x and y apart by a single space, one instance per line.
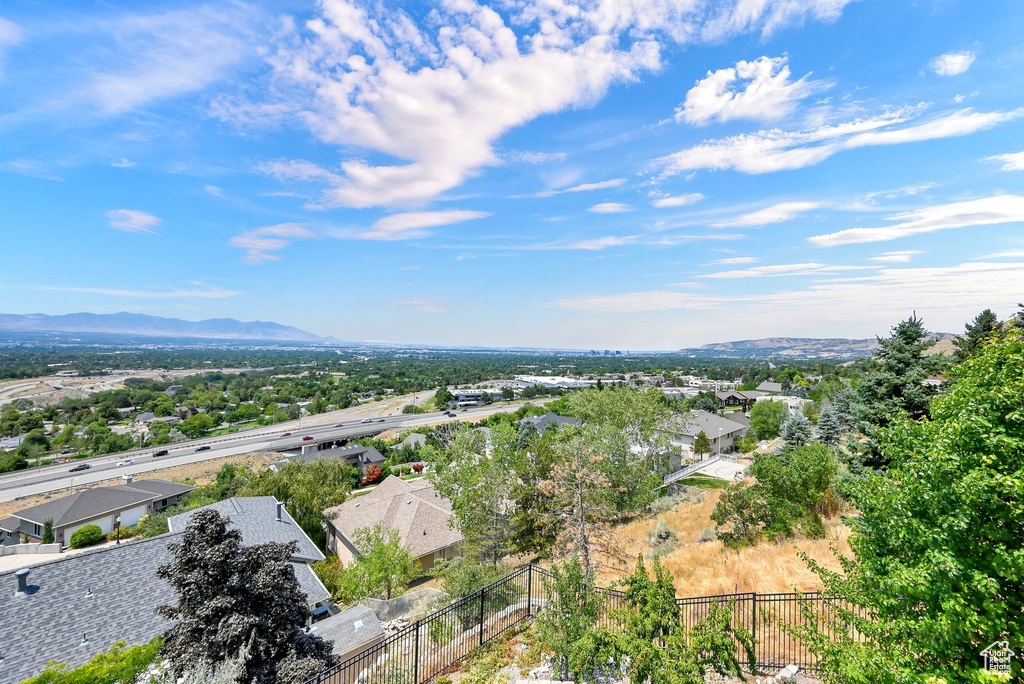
335 425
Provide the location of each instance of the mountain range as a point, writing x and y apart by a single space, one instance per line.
797 347
125 323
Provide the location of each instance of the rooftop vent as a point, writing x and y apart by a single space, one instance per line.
280 506
22 576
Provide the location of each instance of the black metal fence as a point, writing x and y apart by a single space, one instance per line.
437 641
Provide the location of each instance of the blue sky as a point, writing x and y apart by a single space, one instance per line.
646 175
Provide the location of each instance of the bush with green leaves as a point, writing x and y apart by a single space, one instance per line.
87 535
662 539
118 665
766 418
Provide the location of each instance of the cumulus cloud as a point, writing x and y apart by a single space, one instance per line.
896 257
412 224
428 99
1010 162
772 150
422 304
953 63
583 187
132 221
980 212
259 244
777 213
609 208
760 90
678 200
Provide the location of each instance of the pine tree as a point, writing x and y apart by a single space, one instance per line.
975 332
796 430
830 429
895 380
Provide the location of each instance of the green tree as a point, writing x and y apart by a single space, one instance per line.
231 597
197 426
766 418
383 567
48 537
830 430
701 444
796 430
705 401
898 368
117 665
937 545
975 332
442 397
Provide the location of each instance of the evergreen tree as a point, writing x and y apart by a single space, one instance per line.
231 596
796 430
975 332
895 381
830 429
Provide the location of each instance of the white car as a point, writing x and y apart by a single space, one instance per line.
366 420
126 462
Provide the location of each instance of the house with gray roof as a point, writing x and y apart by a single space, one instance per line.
744 400
102 506
723 433
551 419
350 631
414 440
357 455
414 509
770 387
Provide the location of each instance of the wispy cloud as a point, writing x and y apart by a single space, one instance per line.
431 305
678 200
953 63
760 89
213 190
897 257
200 291
777 213
528 157
1009 254
732 261
28 167
259 244
1011 162
980 212
783 270
772 150
605 242
10 34
610 208
123 164
132 221
413 224
584 187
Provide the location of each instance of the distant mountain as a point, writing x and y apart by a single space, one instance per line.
797 347
140 324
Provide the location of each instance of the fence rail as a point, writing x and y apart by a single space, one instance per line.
442 638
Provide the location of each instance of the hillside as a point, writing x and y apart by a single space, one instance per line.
796 347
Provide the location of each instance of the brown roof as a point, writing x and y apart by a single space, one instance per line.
414 509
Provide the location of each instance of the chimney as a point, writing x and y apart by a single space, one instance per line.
127 479
279 507
22 576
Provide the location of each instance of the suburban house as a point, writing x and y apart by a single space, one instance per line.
100 506
173 389
743 400
263 519
770 387
722 432
549 419
357 455
414 440
10 531
72 608
794 404
414 509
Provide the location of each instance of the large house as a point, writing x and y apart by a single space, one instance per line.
722 432
770 387
743 400
414 509
549 419
357 455
102 506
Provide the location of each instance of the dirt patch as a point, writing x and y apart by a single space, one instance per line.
200 473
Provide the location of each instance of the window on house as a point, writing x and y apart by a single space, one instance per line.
37 530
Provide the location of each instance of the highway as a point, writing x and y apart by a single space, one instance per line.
346 424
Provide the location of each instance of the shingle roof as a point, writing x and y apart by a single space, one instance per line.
10 524
256 518
414 440
363 454
161 488
350 629
548 419
86 504
770 387
708 422
414 509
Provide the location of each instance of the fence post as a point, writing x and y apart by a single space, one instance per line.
753 628
416 654
529 589
483 593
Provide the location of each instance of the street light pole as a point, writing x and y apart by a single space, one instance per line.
118 521
719 441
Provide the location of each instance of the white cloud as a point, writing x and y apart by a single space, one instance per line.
408 225
429 100
732 261
896 257
258 244
1011 162
201 291
422 304
132 221
678 200
783 270
1010 254
953 63
584 187
772 150
777 213
10 34
760 90
610 208
604 242
213 190
979 212
123 164
528 157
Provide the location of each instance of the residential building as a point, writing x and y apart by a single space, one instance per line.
414 509
10 531
743 400
550 419
357 455
414 440
794 404
722 432
173 389
350 631
100 506
770 387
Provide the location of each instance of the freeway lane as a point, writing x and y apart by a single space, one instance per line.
58 477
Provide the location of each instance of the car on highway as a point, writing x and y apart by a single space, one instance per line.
202 448
381 420
287 434
366 420
80 466
66 451
464 410
339 424
162 452
306 438
126 462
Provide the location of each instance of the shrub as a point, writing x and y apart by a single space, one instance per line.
707 534
126 533
417 467
48 537
119 665
87 535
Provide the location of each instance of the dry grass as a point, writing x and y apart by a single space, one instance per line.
709 568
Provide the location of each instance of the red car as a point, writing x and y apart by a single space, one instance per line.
287 434
306 438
